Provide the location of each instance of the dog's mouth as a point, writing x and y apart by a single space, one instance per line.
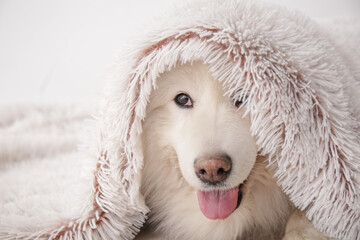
220 203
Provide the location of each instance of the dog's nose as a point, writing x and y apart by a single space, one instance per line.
213 169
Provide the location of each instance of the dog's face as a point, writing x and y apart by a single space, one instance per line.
199 155
208 132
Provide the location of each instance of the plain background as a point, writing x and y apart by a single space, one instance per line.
58 51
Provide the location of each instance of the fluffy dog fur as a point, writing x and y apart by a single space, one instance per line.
174 137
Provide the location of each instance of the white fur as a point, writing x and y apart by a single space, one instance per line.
175 137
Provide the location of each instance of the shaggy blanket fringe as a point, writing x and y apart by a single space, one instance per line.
302 80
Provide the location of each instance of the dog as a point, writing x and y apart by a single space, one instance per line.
203 177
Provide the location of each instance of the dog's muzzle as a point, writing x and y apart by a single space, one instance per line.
218 203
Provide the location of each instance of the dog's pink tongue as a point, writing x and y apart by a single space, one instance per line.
218 204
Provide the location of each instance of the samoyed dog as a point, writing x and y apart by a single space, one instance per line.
202 175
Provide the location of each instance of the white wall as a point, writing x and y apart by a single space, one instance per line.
58 50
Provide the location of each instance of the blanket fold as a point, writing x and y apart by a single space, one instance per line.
302 83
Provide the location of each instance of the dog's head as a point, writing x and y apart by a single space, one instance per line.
208 132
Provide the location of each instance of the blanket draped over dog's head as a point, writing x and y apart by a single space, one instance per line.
302 83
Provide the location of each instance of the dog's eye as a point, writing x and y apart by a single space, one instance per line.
183 100
240 101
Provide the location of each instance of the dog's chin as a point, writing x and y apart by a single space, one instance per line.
220 202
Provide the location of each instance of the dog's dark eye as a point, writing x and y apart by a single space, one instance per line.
240 101
183 100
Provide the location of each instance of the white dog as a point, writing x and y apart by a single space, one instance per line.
202 177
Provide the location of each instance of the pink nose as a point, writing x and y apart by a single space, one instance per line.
213 169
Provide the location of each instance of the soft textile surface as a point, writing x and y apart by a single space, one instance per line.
302 79
40 170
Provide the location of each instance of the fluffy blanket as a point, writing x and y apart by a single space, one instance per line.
302 79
